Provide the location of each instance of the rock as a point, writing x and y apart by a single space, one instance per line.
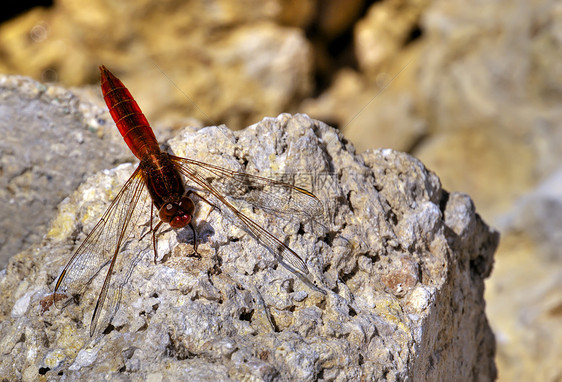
402 263
53 138
385 30
335 17
538 215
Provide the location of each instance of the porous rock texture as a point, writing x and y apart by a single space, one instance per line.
401 261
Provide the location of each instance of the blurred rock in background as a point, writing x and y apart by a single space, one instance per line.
471 88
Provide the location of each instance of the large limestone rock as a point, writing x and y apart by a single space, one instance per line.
401 261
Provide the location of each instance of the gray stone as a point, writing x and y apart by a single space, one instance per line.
401 261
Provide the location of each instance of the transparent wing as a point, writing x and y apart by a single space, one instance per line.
105 246
270 195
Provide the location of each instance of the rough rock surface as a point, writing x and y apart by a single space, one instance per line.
402 262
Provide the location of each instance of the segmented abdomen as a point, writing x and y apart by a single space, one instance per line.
128 117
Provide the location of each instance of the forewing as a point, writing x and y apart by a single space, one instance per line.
103 246
271 195
275 197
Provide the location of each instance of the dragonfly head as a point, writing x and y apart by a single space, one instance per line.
178 215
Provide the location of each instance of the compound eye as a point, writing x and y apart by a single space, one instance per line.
187 205
167 212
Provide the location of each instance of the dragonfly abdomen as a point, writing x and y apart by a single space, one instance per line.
128 117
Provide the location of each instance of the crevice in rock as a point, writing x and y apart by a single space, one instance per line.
415 34
348 276
176 349
246 316
443 202
109 329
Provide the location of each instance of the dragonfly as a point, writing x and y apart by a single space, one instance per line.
159 180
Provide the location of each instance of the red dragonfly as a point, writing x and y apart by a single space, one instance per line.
159 175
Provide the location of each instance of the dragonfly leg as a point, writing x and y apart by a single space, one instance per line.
154 238
149 223
194 239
